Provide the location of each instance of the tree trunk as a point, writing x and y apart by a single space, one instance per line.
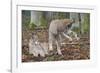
80 25
35 16
82 17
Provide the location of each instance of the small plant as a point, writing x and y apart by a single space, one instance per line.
32 26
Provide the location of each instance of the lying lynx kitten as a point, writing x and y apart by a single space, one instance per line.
36 48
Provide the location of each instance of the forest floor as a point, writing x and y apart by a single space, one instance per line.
76 50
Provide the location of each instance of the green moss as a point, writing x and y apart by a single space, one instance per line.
86 23
76 29
31 26
43 22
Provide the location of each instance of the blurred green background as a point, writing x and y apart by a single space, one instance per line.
33 19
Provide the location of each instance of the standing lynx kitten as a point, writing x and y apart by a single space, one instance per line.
57 28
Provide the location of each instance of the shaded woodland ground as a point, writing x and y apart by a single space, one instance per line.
76 50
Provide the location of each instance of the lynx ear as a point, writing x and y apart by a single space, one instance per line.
66 21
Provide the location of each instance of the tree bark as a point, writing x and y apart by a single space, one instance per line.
35 16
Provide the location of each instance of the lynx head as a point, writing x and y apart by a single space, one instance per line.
68 21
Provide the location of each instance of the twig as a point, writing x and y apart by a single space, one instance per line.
75 43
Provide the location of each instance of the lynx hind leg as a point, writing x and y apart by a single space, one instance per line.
58 48
50 46
51 39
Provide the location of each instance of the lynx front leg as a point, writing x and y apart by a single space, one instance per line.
50 46
67 36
